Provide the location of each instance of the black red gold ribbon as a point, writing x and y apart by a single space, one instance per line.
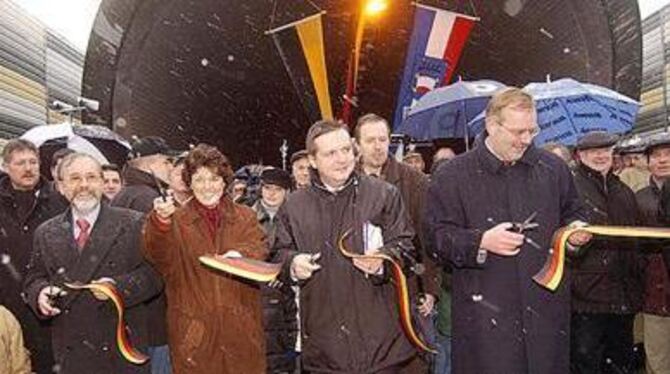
401 291
127 350
256 270
551 274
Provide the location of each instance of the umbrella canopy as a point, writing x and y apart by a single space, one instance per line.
568 109
99 142
446 111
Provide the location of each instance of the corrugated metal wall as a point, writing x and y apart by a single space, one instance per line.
655 71
36 67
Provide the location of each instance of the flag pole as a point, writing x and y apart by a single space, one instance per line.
294 23
419 5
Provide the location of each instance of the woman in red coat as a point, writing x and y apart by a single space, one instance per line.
214 320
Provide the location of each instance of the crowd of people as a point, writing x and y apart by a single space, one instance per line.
455 231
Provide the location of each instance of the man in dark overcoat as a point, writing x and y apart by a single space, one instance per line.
90 242
504 322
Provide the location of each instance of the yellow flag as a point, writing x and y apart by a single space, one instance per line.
310 33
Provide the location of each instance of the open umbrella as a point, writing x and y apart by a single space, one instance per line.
100 142
568 109
446 111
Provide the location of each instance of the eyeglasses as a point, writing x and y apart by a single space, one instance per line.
520 133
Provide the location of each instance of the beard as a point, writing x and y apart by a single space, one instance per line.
85 204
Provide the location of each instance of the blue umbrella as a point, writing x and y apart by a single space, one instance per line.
446 111
568 109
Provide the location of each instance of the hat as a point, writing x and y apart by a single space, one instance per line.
596 139
277 177
298 155
657 141
151 145
412 154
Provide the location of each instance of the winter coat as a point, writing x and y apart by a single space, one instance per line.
349 321
17 243
214 319
84 334
138 193
503 322
13 354
608 275
657 281
279 310
413 186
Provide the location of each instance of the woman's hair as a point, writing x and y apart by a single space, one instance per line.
209 157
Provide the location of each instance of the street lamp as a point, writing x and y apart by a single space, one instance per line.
370 9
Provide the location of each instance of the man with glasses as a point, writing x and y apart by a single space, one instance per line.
89 243
26 201
503 322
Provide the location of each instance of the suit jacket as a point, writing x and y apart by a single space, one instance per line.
83 335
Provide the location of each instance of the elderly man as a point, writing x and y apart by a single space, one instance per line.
607 281
504 322
414 159
348 320
26 201
90 242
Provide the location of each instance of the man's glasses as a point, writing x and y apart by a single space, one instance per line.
518 133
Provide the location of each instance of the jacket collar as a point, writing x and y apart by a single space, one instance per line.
319 186
43 190
595 175
495 165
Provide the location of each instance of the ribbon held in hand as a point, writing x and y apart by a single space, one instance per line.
127 350
247 268
552 272
401 291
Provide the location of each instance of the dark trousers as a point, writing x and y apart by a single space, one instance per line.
601 343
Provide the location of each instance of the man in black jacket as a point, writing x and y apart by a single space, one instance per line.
89 243
26 201
349 321
144 177
607 285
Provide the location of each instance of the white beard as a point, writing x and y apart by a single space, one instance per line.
85 205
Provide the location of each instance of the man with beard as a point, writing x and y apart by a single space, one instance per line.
26 200
504 322
349 322
89 243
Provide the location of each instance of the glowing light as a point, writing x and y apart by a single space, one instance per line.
374 7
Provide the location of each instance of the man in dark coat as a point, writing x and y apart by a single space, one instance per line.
656 306
149 168
26 200
373 137
348 314
607 278
90 242
504 322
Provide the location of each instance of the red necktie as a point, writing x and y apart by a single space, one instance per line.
83 233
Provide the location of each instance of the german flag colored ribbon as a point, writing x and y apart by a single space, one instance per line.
552 272
128 352
247 268
401 291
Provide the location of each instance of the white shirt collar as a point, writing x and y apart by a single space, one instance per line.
91 217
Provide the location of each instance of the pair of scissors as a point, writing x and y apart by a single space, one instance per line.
526 225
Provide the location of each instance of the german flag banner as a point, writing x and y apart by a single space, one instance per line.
301 48
552 273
